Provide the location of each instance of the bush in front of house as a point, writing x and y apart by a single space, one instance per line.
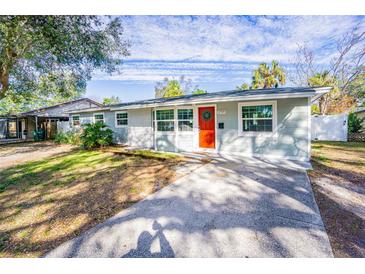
70 137
96 135
355 123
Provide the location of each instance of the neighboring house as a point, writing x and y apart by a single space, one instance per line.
21 126
269 122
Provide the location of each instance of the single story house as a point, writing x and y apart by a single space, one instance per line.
266 122
20 126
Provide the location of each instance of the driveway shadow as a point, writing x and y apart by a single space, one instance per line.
144 245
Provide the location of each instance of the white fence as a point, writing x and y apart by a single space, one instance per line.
329 127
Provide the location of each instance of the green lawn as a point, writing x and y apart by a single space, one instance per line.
44 203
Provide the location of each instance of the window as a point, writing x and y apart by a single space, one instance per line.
99 117
76 120
185 119
257 117
165 120
121 119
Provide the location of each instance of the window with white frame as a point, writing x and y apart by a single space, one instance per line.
98 117
165 119
75 119
121 119
185 119
257 117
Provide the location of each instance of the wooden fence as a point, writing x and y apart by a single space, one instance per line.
356 137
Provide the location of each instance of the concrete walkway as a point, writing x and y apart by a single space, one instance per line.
227 208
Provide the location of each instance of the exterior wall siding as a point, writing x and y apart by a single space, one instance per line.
140 131
291 138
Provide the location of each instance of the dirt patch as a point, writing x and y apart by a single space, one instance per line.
338 180
44 203
14 154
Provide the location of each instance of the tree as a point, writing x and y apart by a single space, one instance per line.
333 102
173 87
13 105
43 56
315 109
199 91
355 123
244 86
345 72
268 77
111 100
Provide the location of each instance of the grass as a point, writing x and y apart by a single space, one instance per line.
338 180
44 203
149 154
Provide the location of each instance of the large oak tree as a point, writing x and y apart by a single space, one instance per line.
49 56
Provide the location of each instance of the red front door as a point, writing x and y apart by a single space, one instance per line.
207 127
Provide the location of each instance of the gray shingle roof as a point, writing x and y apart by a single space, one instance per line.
221 94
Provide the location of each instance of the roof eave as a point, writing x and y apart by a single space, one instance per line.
319 92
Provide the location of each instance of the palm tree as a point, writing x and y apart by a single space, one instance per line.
268 77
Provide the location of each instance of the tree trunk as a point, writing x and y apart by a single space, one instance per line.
4 81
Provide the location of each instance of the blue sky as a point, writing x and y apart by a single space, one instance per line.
216 52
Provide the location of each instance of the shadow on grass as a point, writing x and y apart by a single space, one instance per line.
343 227
346 230
354 177
45 203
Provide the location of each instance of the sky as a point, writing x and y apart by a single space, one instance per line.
216 52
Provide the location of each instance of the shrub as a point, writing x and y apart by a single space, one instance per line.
60 138
71 137
354 123
96 135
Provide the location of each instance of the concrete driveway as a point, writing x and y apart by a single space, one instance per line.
227 208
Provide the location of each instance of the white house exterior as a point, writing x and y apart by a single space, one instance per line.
266 122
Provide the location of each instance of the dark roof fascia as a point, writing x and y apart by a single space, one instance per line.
11 116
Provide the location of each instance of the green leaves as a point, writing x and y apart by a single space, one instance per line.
56 55
199 91
111 100
96 135
172 88
355 123
268 77
244 86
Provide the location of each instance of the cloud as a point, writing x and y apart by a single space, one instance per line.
230 38
222 48
145 70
